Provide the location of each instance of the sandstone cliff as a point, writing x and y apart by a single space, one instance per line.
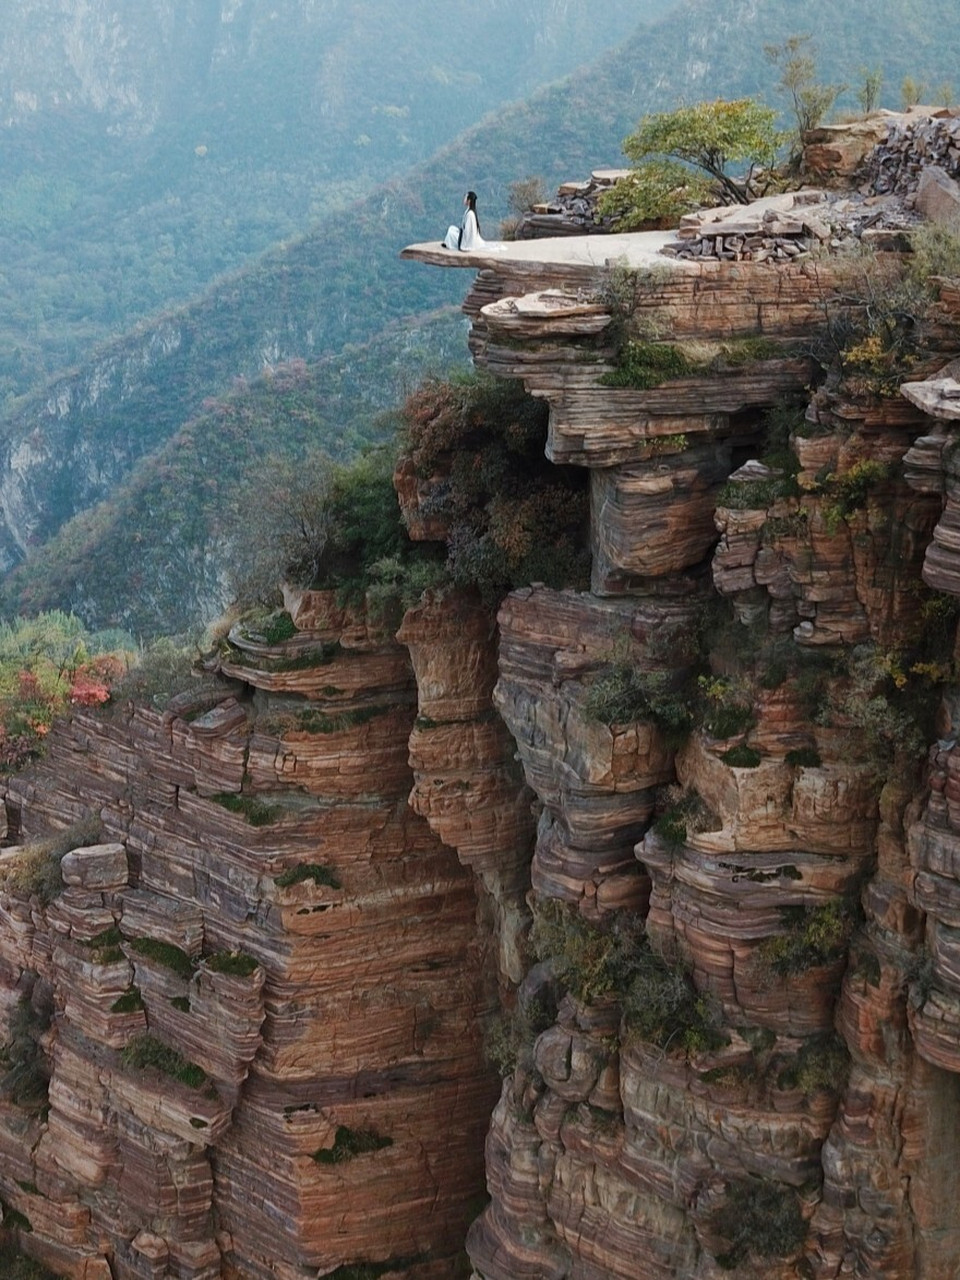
715 904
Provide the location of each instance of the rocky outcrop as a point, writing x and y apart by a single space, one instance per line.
758 1086
263 989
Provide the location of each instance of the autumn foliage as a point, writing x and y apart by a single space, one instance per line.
49 665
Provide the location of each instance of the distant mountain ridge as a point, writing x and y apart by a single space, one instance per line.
147 148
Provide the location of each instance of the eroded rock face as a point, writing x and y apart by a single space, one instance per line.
310 951
698 827
795 868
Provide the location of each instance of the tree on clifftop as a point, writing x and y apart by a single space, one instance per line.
683 157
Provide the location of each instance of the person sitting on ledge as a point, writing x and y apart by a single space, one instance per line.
467 236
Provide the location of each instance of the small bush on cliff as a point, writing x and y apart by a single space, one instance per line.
726 706
886 704
875 324
254 810
663 1007
315 872
234 964
593 961
157 673
50 664
623 692
146 1052
35 869
759 1219
130 1002
510 1037
822 1065
26 1073
682 812
511 518
643 365
321 524
349 1143
814 936
166 954
15 1265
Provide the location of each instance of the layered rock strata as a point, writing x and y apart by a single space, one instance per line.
796 1117
264 988
696 826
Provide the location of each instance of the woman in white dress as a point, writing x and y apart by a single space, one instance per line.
467 235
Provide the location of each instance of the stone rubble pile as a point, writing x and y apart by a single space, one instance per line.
895 165
779 228
573 211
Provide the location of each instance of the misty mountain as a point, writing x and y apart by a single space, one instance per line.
148 147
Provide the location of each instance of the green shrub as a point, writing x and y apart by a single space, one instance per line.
509 1039
130 1002
274 628
643 365
304 871
511 517
161 671
663 1007
815 936
14 1219
237 964
105 946
15 1265
821 1065
886 706
685 813
180 1002
349 1143
321 524
26 1073
726 707
758 494
37 868
311 720
742 757
146 1052
623 693
868 963
593 961
658 194
693 147
166 954
256 811
760 1219
848 493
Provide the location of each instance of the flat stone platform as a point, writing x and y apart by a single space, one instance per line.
636 249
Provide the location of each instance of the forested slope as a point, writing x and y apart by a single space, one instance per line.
147 148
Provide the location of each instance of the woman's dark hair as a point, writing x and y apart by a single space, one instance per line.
472 205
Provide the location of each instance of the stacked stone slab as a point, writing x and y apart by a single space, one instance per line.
574 210
896 163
